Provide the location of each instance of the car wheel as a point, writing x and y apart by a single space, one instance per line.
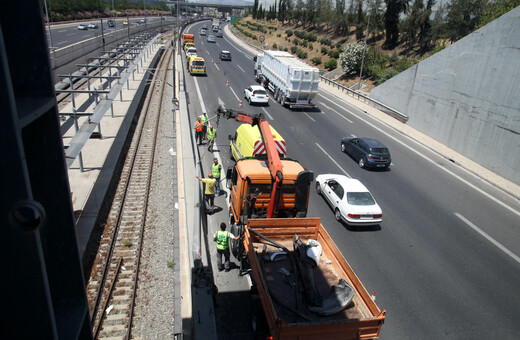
337 214
343 147
361 162
249 100
318 188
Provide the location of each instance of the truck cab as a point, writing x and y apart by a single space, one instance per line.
250 185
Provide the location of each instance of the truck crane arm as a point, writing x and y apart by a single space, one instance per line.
273 158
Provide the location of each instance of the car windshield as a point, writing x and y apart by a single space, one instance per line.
259 92
198 63
360 198
380 151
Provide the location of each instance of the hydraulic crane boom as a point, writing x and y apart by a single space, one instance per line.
273 158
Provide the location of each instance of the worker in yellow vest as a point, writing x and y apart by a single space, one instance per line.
216 169
222 238
205 121
212 136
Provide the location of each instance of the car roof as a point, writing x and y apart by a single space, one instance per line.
225 52
349 184
257 87
373 143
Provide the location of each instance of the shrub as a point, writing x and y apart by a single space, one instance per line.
338 46
299 34
316 60
296 41
311 47
279 35
402 64
310 36
293 49
331 64
289 33
324 50
375 62
385 76
286 49
275 46
254 37
350 58
304 43
301 54
334 54
325 41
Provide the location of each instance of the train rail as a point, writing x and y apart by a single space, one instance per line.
114 277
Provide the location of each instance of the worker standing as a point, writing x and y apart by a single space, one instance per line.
212 136
216 168
222 238
205 121
209 192
198 131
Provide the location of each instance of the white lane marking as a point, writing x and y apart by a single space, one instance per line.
216 66
339 114
489 238
234 93
202 106
332 159
267 113
68 35
62 42
61 31
241 68
309 117
496 200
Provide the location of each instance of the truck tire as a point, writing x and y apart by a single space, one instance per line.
235 244
283 100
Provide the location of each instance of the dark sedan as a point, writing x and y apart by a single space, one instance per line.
368 152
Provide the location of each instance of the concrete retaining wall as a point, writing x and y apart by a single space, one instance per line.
467 96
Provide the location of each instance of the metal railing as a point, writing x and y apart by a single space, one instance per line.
367 100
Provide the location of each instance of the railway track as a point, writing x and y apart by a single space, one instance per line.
113 282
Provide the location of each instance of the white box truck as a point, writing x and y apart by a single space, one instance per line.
292 82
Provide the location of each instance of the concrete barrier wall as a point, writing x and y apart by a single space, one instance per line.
467 96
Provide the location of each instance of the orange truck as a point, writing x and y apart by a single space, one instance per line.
268 208
187 38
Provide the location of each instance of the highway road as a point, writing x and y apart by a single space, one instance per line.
68 34
445 261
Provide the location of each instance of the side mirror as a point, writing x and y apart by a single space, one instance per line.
229 173
254 58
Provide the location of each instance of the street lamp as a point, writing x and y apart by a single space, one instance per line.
48 24
364 52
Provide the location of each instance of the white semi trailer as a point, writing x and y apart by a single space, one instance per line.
291 81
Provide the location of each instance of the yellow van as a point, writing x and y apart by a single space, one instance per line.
187 45
196 65
247 142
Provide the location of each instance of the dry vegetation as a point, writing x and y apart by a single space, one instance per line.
276 38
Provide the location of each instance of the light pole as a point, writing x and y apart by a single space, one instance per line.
114 12
363 58
48 24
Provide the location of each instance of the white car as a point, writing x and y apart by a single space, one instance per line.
82 27
93 25
350 199
256 94
202 32
191 51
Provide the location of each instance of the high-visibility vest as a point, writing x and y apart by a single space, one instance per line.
215 170
211 134
204 119
198 126
222 240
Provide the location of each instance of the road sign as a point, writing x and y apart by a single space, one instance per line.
261 38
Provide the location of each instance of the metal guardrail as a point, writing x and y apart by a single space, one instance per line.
353 93
367 100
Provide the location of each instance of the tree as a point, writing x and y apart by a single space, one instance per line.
393 9
463 16
350 58
497 9
376 13
254 13
340 22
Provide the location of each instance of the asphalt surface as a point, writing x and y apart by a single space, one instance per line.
444 262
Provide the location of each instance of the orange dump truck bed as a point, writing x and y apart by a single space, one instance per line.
187 37
361 319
